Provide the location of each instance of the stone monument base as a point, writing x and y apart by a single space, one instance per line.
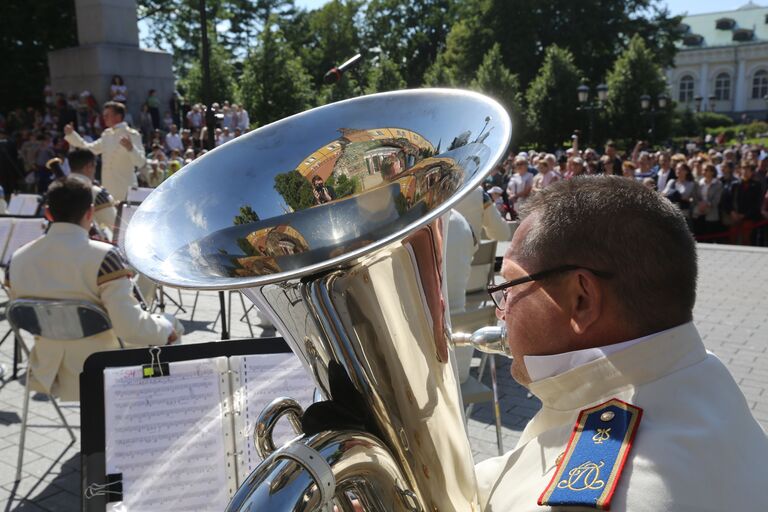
91 67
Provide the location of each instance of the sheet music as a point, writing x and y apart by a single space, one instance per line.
166 435
126 214
23 204
6 224
24 231
138 194
262 378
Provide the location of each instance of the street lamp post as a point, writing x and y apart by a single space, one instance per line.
698 100
650 110
582 92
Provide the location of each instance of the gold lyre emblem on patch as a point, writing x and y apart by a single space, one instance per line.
583 477
602 435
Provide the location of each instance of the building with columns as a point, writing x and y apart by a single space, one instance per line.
108 34
722 63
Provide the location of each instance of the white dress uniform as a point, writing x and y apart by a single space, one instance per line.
481 213
105 212
697 447
66 264
118 164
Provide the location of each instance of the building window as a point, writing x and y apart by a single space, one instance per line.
760 85
723 87
686 89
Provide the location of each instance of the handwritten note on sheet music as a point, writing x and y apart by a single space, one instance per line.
263 378
166 436
24 231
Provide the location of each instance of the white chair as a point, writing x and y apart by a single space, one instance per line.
63 320
479 311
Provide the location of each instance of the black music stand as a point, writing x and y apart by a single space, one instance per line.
92 428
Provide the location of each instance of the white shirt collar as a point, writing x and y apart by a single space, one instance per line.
121 124
542 367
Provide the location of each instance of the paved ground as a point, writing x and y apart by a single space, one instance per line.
731 314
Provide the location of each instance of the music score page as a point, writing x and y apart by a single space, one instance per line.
168 436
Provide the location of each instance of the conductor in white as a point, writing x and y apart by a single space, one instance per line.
120 147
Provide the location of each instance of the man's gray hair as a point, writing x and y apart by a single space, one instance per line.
617 225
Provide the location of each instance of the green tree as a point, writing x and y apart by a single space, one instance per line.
274 83
411 34
30 30
246 216
222 76
636 72
342 185
494 79
384 76
551 99
295 190
594 30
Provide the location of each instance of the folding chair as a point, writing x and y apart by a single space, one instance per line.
479 311
64 320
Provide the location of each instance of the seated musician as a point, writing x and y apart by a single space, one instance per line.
66 264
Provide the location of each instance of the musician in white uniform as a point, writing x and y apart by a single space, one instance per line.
66 264
637 415
83 162
120 147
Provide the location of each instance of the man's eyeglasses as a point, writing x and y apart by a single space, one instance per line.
498 293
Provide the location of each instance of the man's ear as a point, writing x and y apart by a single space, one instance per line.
587 301
89 214
47 213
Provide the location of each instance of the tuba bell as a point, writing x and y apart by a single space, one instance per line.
330 222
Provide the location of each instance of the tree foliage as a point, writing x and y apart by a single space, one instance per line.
494 79
295 190
274 83
636 72
409 34
246 216
29 31
222 76
551 98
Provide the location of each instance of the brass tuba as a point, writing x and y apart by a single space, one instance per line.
330 222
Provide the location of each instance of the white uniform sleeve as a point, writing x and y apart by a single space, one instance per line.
132 324
495 227
75 140
138 158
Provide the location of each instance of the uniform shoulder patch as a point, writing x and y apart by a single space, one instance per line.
103 199
112 267
590 468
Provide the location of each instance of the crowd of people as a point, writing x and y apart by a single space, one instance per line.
170 137
722 191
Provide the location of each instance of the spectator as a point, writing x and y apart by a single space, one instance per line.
228 117
628 170
707 213
747 200
681 189
546 175
575 167
519 186
729 182
173 139
195 117
117 90
663 172
153 102
146 127
243 121
167 121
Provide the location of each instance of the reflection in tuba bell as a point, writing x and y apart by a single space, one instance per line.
353 282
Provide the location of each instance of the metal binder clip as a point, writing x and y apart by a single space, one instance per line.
95 489
155 368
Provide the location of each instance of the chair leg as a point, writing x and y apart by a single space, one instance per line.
496 407
63 419
247 319
24 416
480 372
194 306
